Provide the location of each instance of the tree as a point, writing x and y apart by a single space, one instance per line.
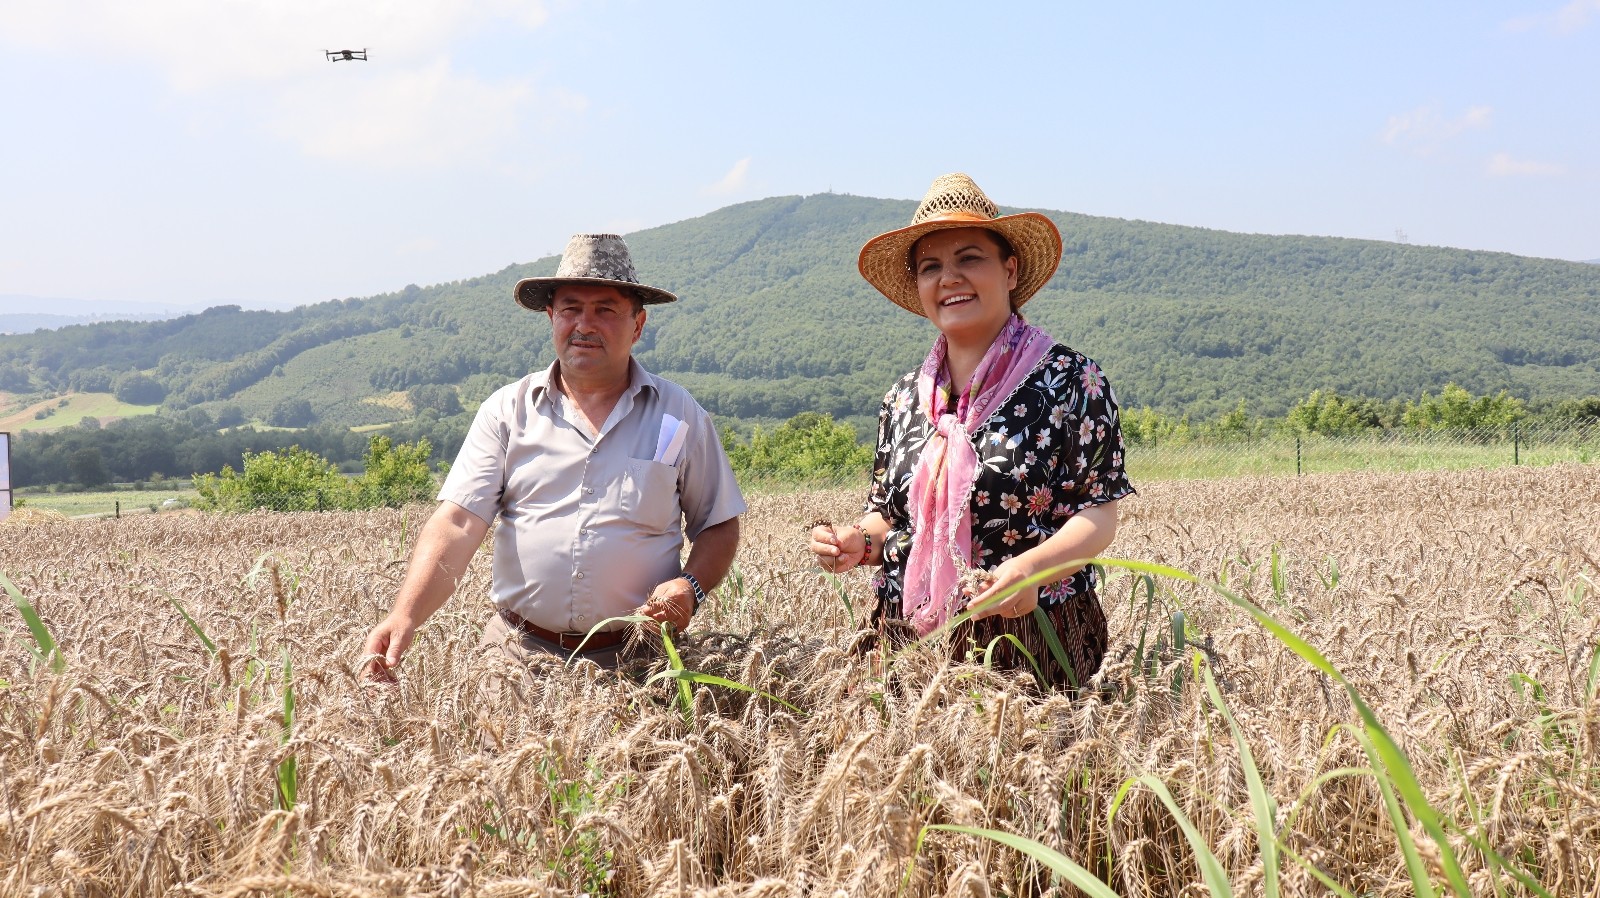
1456 407
140 389
394 474
230 416
1326 412
297 479
292 479
806 447
88 468
291 413
437 397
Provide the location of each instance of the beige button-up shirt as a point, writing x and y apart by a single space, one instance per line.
590 524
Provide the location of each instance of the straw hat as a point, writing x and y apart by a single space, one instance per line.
590 259
954 201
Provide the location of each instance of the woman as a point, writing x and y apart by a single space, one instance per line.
1002 452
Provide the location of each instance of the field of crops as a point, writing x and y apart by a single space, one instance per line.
201 731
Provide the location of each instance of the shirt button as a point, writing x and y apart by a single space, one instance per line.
581 617
580 577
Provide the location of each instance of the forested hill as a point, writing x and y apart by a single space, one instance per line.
774 320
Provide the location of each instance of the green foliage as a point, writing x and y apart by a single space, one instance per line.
296 479
809 446
1455 407
292 479
139 389
1186 321
394 474
291 413
88 468
436 397
1328 413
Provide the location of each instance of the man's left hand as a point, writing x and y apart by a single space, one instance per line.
671 602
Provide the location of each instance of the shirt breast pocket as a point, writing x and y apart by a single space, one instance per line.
650 495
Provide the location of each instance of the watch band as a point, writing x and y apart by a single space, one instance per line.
694 584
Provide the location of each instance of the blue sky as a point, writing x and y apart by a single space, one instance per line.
203 151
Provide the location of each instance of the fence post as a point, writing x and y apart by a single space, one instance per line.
1297 455
118 505
1516 443
319 500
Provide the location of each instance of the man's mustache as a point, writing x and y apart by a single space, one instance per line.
586 340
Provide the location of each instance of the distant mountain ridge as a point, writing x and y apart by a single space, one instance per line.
774 319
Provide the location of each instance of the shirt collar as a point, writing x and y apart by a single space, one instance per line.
638 379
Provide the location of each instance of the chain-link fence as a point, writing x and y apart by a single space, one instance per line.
126 502
1205 457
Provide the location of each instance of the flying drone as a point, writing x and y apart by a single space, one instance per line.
346 55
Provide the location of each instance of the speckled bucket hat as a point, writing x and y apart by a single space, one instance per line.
600 259
955 201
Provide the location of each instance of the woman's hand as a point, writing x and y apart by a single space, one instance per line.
1019 603
838 551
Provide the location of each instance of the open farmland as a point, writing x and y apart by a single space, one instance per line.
1461 606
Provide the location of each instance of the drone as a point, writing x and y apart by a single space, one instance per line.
346 55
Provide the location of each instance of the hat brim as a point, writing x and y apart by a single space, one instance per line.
885 259
536 293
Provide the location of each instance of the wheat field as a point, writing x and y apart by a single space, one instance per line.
201 730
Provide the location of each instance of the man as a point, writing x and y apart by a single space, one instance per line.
597 469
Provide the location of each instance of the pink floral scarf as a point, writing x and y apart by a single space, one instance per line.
941 485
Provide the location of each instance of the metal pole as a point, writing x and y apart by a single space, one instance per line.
1297 455
1516 443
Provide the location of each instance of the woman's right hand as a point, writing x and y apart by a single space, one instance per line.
838 550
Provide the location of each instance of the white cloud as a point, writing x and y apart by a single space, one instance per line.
1501 165
201 44
419 117
407 106
1572 17
733 180
1424 129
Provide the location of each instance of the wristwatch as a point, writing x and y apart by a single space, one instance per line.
694 584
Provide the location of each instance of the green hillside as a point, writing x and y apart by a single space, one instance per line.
774 320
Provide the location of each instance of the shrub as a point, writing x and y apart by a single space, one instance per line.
809 446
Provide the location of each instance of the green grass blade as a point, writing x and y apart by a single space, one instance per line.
288 771
1390 762
627 618
685 691
45 644
843 589
1063 866
1415 866
694 676
1211 871
195 626
1262 806
1057 650
1317 873
1012 638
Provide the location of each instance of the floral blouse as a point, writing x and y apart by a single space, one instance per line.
1053 449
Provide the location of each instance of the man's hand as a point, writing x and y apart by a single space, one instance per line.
671 602
1019 603
390 639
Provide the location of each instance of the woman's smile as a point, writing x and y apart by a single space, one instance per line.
965 282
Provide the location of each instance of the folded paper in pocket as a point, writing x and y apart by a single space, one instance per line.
669 445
